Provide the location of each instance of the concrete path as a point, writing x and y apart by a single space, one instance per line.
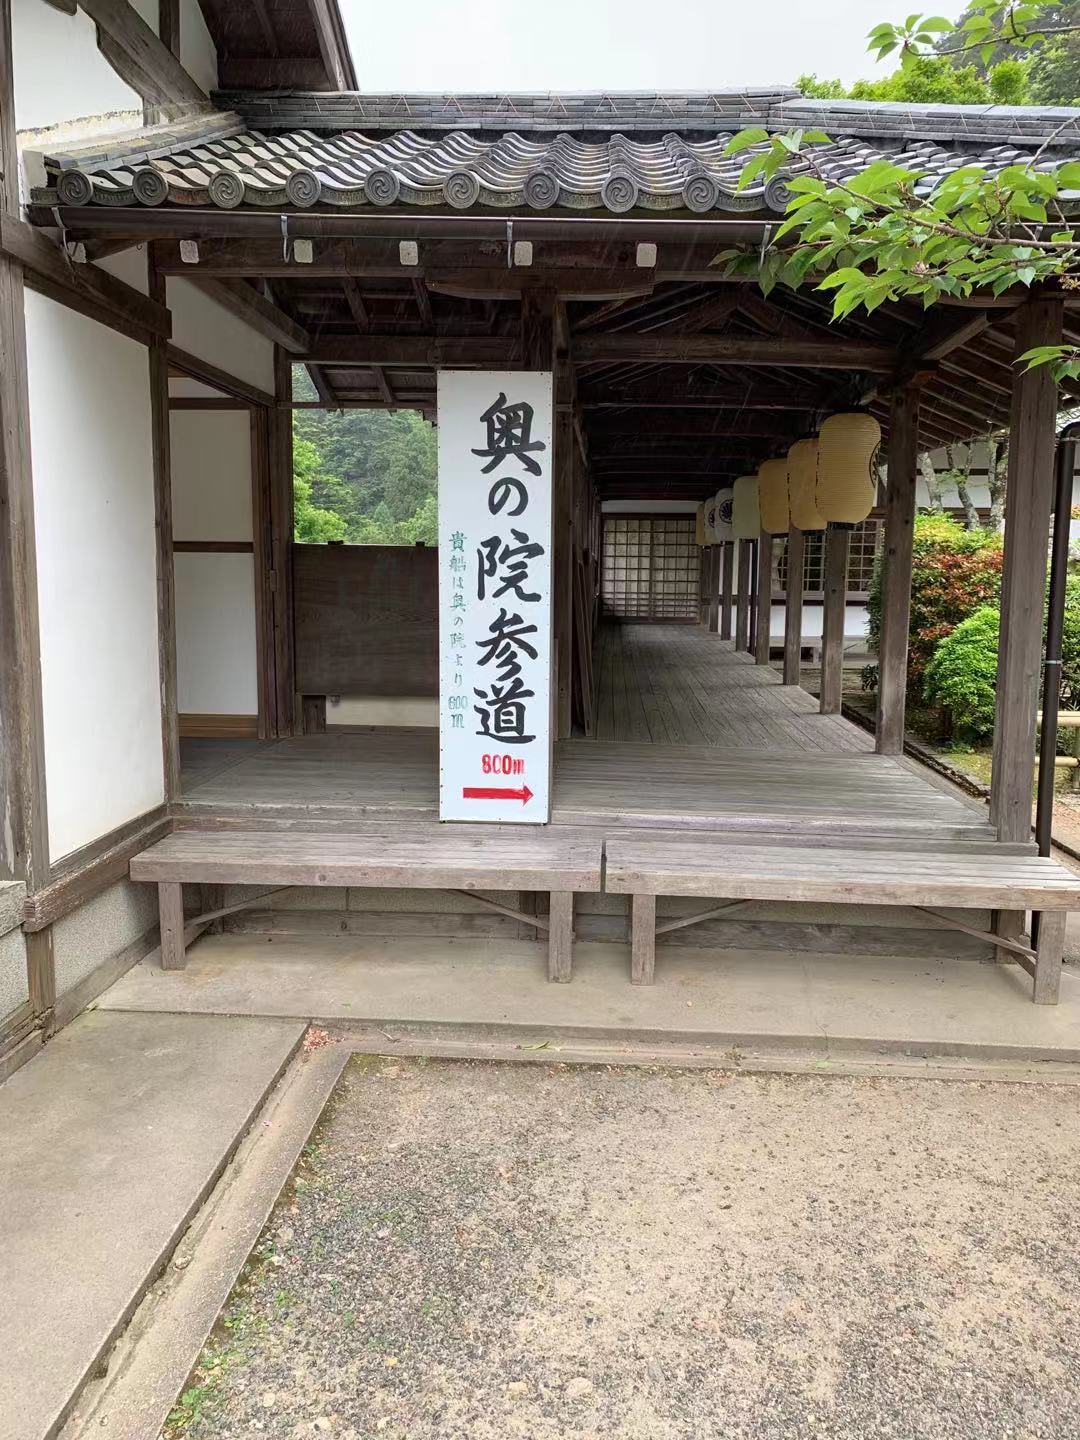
111 1137
506 1252
825 1004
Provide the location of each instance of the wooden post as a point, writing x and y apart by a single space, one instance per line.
796 574
751 639
742 599
171 915
1028 500
642 939
766 546
727 587
714 589
163 529
903 460
837 546
1048 952
561 935
286 708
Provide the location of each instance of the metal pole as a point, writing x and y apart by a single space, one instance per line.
1065 468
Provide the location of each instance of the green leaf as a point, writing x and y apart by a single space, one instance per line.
744 139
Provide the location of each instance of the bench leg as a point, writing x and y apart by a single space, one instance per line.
561 935
171 911
642 939
1048 955
1009 924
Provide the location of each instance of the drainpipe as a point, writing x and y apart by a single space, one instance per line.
1064 470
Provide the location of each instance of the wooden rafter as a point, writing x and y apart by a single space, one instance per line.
244 301
140 57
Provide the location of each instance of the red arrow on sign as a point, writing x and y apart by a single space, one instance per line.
476 792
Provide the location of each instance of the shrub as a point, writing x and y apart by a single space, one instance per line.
1070 646
954 572
962 674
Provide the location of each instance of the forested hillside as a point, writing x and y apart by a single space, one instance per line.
364 476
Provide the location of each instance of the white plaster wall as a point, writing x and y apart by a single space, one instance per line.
206 329
129 266
94 511
60 74
211 474
197 53
216 641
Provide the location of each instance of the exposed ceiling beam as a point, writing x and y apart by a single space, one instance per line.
423 304
360 313
414 350
323 388
244 301
675 348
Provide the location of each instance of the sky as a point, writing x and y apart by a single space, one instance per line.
505 45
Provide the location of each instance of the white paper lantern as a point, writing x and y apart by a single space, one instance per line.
745 515
722 523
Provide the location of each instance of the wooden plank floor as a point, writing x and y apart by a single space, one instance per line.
690 735
679 685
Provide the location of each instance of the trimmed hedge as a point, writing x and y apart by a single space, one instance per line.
962 674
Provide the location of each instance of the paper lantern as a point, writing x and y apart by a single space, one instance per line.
847 472
745 515
802 486
722 523
710 521
699 525
773 497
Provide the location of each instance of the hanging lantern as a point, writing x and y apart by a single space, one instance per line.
745 515
847 471
710 521
722 522
699 525
773 497
802 486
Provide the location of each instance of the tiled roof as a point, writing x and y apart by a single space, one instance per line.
645 164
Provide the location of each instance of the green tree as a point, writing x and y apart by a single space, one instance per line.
884 234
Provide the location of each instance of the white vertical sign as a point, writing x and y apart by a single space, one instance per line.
495 502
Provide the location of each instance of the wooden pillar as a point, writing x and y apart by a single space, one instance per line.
24 828
714 589
163 529
286 703
796 568
751 639
766 546
903 460
727 587
1028 501
837 546
742 598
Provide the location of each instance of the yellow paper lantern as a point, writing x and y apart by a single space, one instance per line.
745 514
699 527
722 522
773 496
802 486
847 474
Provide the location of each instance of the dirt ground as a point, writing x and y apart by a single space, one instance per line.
491 1251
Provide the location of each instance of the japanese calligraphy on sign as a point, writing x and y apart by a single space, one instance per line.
495 466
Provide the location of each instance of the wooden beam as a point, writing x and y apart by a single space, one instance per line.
423 304
323 387
903 464
333 45
245 302
166 582
793 607
361 317
413 351
683 349
567 282
200 369
1028 501
85 288
140 58
169 25
834 608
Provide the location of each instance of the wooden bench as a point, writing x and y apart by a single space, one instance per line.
962 877
460 858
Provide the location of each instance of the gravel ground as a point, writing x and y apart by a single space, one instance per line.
497 1251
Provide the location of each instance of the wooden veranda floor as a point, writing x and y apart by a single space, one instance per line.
690 734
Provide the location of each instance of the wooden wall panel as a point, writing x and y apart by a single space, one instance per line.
367 620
